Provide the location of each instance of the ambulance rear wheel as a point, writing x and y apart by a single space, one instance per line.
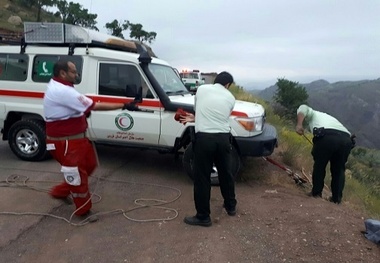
26 138
188 159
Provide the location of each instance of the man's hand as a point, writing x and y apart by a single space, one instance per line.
180 112
353 140
300 130
189 117
131 106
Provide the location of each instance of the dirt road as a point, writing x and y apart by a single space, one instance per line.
275 222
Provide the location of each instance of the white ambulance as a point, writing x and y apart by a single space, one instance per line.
192 79
111 70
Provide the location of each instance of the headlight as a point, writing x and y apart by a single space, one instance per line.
251 124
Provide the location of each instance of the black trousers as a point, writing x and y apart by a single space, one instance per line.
333 147
210 148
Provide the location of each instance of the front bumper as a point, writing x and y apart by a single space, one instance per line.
260 145
191 86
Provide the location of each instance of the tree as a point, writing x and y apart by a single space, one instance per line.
289 95
39 4
116 28
141 35
73 13
149 37
26 3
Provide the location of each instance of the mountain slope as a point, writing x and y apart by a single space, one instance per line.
13 14
355 103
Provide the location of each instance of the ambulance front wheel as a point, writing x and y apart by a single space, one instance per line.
188 159
26 138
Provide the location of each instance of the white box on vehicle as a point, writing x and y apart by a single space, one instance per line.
111 70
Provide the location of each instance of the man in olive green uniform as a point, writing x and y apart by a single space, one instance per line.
331 143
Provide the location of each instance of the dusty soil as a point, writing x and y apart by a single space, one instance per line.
275 221
302 228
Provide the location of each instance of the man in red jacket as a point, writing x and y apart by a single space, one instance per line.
65 112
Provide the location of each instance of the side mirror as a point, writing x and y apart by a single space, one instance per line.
138 97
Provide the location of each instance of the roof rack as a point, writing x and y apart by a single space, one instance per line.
60 34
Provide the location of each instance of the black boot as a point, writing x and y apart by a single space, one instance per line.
195 221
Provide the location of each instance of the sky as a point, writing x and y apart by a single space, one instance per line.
258 41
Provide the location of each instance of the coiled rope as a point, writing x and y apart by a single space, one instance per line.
21 181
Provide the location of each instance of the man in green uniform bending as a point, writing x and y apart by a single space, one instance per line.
331 143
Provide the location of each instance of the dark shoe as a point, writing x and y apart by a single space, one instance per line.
332 200
311 194
230 211
90 217
195 221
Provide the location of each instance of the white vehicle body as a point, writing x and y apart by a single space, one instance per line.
192 79
109 73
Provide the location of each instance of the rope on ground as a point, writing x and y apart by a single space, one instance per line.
299 180
157 203
21 181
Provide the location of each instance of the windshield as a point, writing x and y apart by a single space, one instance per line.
168 79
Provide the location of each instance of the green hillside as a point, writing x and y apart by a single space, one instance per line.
355 103
12 9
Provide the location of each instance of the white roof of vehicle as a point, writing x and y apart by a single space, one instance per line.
60 33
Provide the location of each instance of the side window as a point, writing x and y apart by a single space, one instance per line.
14 67
43 66
121 80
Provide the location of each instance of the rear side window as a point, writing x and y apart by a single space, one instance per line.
43 66
14 67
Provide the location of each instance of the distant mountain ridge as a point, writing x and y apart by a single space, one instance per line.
355 103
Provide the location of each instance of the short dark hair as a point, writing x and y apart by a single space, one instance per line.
62 64
224 78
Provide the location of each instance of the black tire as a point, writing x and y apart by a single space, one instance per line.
188 158
26 138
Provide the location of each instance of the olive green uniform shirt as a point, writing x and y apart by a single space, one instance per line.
317 119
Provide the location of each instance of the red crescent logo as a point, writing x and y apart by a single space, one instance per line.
124 122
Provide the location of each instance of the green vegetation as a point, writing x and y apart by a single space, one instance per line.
364 167
37 4
26 13
74 14
289 96
116 28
